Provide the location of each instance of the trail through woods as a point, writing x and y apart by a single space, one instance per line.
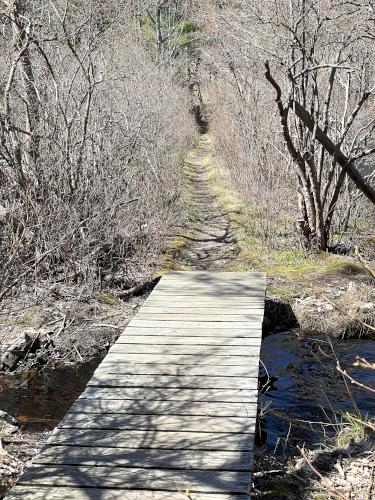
209 243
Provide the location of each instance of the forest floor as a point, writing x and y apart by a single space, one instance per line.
217 237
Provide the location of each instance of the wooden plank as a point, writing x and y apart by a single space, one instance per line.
202 350
197 325
182 331
166 381
154 479
207 276
213 302
193 316
30 492
181 359
159 459
214 282
216 274
188 395
127 338
214 292
217 284
153 440
131 407
238 285
124 368
163 307
158 422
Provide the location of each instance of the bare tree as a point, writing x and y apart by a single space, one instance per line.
327 88
320 54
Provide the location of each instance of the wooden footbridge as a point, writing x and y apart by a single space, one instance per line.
170 413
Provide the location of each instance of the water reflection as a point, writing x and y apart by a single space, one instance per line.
306 387
40 400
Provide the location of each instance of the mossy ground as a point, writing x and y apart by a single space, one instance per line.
108 298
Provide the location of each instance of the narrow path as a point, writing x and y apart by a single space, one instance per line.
210 245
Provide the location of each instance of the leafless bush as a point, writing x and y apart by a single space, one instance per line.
91 137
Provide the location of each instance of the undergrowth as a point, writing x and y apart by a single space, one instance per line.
278 255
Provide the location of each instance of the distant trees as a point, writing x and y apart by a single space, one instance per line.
91 136
166 26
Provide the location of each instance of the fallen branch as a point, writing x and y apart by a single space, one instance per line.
345 163
138 289
106 325
363 363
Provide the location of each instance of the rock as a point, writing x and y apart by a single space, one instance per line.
369 306
5 417
15 352
8 424
31 345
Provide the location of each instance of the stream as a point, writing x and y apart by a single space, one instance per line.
303 386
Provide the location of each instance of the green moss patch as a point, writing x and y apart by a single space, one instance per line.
108 298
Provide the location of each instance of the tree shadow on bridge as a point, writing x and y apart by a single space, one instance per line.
131 451
174 432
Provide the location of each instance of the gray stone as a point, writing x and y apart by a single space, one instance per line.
8 424
369 306
15 352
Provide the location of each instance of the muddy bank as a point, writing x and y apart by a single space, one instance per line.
339 303
66 329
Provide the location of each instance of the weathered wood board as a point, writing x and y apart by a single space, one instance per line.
172 408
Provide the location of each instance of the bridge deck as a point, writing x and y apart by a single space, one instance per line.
170 413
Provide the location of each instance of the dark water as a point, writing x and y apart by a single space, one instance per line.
306 387
40 400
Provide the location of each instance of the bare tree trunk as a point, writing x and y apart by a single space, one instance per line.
22 28
333 150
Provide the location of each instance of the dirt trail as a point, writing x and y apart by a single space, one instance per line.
209 244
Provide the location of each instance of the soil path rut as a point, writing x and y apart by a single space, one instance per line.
209 244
